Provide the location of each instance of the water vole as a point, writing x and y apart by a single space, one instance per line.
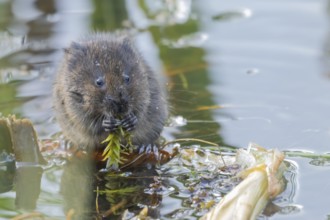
103 83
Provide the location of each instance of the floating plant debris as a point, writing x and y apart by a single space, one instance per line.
263 180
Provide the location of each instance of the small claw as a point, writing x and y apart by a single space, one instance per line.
129 122
110 124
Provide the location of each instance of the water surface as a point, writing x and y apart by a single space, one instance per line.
238 71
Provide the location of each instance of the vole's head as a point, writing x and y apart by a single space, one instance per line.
107 77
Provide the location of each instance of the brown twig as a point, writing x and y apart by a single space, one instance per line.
97 201
69 215
114 208
32 215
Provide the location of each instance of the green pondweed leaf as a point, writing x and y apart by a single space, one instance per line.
114 148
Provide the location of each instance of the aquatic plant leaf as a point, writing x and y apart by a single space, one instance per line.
114 148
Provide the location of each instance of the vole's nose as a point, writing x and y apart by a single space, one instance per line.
123 96
109 99
116 106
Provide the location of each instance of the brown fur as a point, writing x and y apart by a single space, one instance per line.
80 104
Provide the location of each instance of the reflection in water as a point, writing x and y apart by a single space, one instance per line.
41 27
109 15
5 14
7 171
187 69
230 15
326 47
27 67
20 161
77 187
27 186
92 194
165 13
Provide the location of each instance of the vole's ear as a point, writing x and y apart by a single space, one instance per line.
66 50
127 41
75 47
127 45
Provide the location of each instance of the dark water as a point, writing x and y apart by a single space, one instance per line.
238 71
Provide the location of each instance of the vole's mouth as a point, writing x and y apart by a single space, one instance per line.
111 114
116 110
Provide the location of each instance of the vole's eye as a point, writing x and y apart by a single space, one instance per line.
126 79
99 82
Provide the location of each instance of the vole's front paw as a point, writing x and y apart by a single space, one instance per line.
129 122
110 124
